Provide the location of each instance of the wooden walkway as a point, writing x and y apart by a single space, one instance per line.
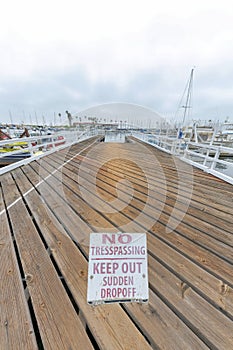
45 223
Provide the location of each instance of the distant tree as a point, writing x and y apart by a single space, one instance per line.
69 116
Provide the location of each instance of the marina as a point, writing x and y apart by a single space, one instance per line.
49 207
116 175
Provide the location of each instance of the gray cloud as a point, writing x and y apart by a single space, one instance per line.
139 53
156 90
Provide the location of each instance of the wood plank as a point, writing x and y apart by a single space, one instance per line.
154 174
204 258
198 220
213 263
194 234
218 298
74 198
110 326
189 339
209 213
162 327
16 329
215 314
190 280
214 328
59 325
207 179
214 289
172 176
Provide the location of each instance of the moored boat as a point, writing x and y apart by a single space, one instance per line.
8 156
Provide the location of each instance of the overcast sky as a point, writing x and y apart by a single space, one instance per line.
72 55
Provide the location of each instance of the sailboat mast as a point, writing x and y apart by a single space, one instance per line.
189 95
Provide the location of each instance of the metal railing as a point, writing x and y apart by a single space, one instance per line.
216 160
204 156
35 147
169 144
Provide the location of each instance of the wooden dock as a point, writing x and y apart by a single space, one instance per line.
46 220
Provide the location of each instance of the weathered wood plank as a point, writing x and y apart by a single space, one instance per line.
202 281
189 339
208 180
110 326
16 330
198 215
162 327
200 302
171 181
172 176
190 269
59 325
207 260
207 322
216 290
191 228
210 261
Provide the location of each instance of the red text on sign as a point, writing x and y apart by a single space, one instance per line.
105 267
123 238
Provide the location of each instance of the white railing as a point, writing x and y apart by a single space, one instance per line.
36 147
212 159
169 144
204 156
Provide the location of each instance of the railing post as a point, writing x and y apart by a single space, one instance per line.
176 144
206 156
218 151
30 147
186 151
53 142
173 147
179 146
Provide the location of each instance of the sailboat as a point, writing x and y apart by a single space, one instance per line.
204 133
198 133
188 103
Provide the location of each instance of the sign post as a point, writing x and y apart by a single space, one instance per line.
117 270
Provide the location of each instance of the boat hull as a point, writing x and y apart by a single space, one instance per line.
9 159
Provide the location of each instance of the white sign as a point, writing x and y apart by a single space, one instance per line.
117 270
